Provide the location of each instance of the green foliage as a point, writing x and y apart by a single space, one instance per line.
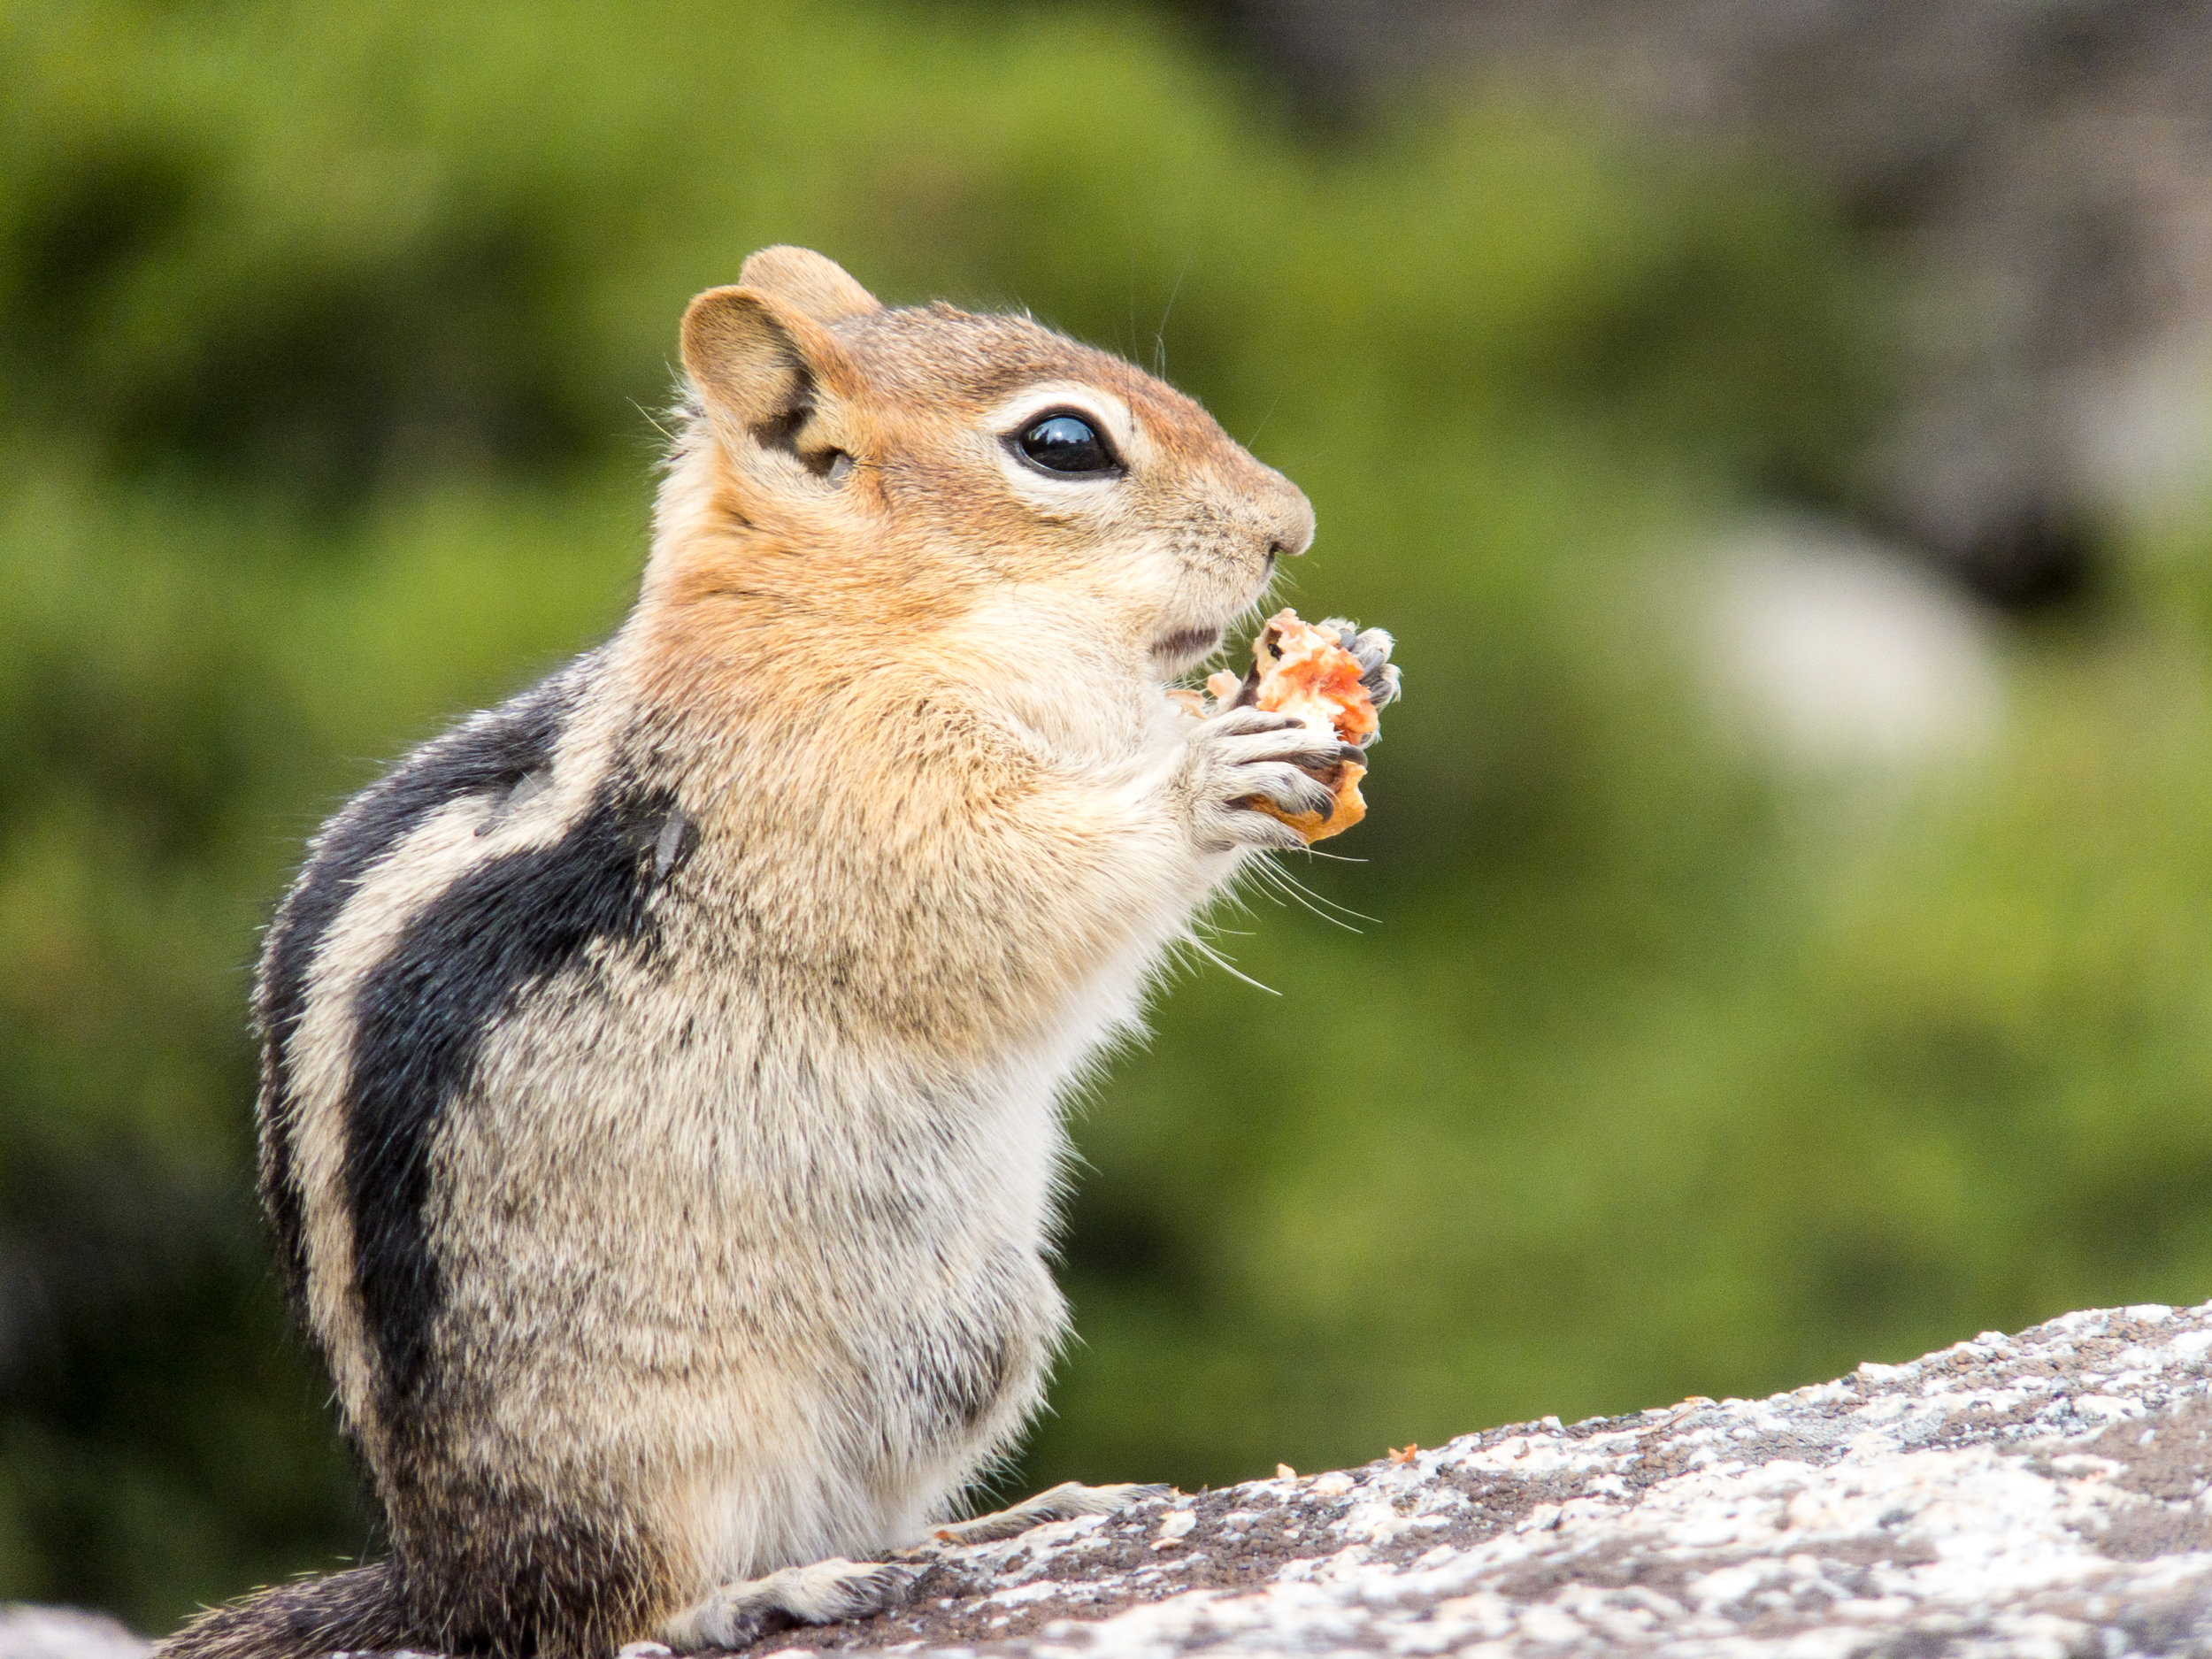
325 337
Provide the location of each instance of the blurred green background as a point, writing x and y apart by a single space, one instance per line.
1668 1062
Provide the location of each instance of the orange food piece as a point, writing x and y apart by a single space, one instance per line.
1305 673
1302 671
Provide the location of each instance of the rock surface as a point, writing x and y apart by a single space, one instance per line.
2039 1494
62 1632
2043 1493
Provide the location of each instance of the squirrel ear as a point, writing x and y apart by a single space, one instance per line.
759 367
810 285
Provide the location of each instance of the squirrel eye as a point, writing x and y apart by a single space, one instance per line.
1068 444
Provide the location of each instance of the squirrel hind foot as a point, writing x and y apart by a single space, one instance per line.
824 1593
1063 1502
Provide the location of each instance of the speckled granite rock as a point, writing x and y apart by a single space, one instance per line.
2039 1494
2043 1494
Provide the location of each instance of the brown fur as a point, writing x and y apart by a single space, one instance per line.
700 1020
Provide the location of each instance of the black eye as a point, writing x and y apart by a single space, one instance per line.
1067 443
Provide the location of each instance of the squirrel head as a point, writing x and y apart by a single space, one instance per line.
979 477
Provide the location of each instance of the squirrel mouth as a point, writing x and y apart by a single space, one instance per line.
1176 651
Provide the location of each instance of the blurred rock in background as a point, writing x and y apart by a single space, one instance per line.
2040 173
1839 653
61 1632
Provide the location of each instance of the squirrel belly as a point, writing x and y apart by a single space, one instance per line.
662 1073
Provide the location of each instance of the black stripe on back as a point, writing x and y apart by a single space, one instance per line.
502 928
488 755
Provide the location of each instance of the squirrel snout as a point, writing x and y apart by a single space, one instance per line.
1293 527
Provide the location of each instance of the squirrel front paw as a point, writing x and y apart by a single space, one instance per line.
1245 755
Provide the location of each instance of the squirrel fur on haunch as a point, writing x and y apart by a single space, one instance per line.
662 1073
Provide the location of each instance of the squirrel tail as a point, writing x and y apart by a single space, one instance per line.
361 1611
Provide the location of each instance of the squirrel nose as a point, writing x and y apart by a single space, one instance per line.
1294 531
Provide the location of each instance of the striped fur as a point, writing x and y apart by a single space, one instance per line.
660 1096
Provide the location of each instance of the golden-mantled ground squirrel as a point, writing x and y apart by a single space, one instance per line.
660 1106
